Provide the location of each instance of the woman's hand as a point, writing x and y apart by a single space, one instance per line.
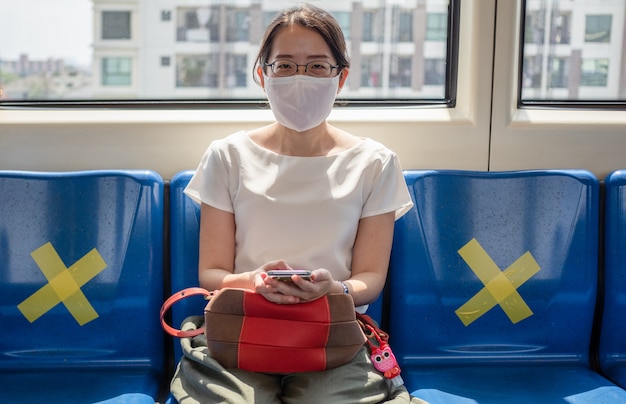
294 291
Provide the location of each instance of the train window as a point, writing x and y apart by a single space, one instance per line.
177 53
573 53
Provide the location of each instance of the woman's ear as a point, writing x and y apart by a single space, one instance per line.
259 72
342 78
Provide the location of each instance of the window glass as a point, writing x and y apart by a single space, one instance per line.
237 25
116 71
598 28
594 72
115 25
437 27
434 69
373 25
344 19
403 30
573 51
176 50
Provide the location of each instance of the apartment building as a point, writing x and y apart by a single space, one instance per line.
574 49
199 50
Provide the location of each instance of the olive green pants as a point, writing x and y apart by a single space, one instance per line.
201 379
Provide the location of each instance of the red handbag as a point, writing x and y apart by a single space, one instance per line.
246 331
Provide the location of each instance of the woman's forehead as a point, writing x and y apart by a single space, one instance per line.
295 40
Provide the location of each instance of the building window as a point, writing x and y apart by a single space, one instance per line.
559 73
534 28
532 72
116 25
594 72
562 66
400 75
237 25
198 70
344 20
268 16
434 72
236 71
373 24
371 71
598 28
561 29
437 27
211 45
116 71
403 26
199 24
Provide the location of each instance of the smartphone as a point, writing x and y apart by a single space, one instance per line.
285 274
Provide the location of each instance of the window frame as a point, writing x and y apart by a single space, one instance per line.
449 99
555 103
427 137
547 135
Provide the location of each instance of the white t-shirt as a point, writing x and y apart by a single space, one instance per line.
304 210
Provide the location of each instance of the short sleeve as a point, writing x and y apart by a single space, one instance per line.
210 183
389 192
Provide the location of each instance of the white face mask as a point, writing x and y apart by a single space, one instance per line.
301 102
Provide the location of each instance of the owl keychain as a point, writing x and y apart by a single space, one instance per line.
382 357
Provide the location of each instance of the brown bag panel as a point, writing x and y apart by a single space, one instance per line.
222 327
228 301
341 307
226 353
344 334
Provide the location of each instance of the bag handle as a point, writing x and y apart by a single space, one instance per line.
175 298
371 329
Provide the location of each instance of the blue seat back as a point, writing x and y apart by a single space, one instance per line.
184 231
613 331
81 284
495 267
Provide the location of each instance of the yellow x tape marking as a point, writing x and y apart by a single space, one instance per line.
63 285
500 287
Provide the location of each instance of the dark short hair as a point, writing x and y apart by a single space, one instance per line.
311 17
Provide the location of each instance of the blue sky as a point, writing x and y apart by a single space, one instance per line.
46 28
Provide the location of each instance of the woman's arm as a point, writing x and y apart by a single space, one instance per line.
370 258
216 260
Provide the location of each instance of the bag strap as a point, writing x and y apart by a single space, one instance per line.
175 298
382 356
371 329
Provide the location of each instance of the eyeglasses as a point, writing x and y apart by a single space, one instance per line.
285 67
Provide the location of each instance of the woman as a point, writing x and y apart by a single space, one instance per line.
300 194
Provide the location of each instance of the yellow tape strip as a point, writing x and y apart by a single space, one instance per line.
63 285
500 287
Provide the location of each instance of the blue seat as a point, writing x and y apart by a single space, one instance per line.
81 284
494 278
612 352
184 229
